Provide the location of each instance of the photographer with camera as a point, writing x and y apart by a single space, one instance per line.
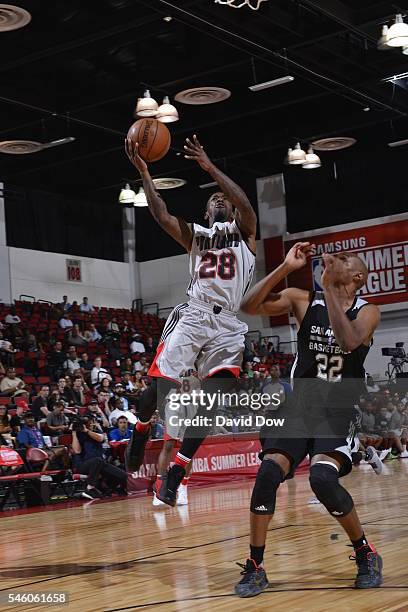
89 459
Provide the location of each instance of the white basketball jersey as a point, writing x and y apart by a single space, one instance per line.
221 265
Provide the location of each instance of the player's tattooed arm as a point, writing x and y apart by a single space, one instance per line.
349 334
262 300
176 227
234 193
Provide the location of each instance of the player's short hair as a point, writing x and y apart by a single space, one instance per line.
360 267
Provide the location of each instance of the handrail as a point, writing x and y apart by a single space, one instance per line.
156 307
44 302
23 295
162 310
278 342
137 305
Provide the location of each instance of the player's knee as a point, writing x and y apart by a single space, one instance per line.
270 476
324 480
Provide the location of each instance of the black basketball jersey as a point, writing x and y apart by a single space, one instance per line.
319 355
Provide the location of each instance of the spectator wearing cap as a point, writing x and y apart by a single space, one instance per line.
30 436
98 372
119 391
127 383
86 306
20 399
123 431
136 345
57 422
97 413
65 322
39 407
11 383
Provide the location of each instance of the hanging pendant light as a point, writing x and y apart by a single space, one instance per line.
167 113
398 33
140 199
127 195
146 106
296 156
312 160
382 44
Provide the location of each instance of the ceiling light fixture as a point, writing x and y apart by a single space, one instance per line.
312 160
397 35
140 200
167 113
382 44
168 183
146 106
127 195
13 17
273 83
207 185
398 143
396 77
296 156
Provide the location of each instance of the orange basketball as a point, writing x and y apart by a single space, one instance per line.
153 137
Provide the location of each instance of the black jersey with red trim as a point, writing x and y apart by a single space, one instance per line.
319 355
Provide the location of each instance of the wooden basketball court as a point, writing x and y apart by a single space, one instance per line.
124 555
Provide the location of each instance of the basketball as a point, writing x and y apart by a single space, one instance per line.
153 137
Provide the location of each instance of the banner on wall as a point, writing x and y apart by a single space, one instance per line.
383 248
74 270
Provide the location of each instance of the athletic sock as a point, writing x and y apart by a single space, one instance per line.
360 542
181 460
257 553
142 427
185 481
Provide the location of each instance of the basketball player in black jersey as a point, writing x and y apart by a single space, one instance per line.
335 330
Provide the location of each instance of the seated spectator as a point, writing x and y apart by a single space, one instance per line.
122 432
151 346
127 365
382 421
113 326
12 318
31 344
92 335
56 359
11 383
119 411
140 384
57 422
398 432
157 427
5 427
372 387
127 383
72 362
141 366
64 305
105 387
103 399
39 407
119 392
31 437
85 363
98 414
76 394
21 399
75 337
98 372
65 322
6 351
275 386
86 306
87 444
64 390
136 345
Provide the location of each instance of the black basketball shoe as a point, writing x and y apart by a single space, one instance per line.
254 580
369 564
135 450
167 492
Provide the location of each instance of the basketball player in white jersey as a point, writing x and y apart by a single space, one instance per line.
203 334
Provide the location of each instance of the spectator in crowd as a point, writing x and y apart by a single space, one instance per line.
127 365
136 345
75 337
141 366
11 383
86 364
98 414
31 345
119 411
372 387
140 384
72 362
57 422
64 390
39 407
92 335
65 322
31 437
76 395
151 346
87 444
98 372
382 421
65 306
5 427
398 433
157 427
86 306
123 431
103 399
127 383
6 351
119 391
56 359
276 387
21 399
113 326
12 318
106 386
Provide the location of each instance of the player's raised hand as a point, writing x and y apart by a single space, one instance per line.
132 151
297 256
193 150
332 270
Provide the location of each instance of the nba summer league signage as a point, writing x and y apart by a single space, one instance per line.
383 247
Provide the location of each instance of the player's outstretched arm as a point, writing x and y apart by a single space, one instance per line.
177 228
349 334
262 300
234 193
